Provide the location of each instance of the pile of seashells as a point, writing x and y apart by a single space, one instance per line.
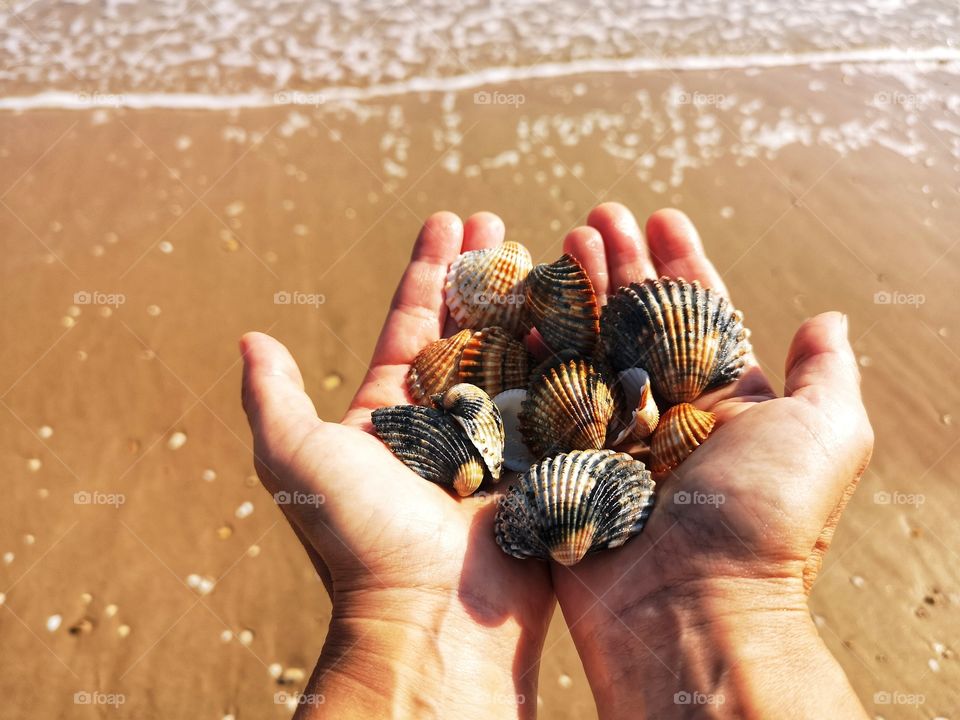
483 402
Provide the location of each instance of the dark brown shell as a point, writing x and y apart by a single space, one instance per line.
563 306
480 419
570 505
432 444
689 338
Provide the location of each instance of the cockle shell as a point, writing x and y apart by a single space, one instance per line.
516 456
563 306
432 444
480 419
643 414
486 287
573 504
435 368
688 337
494 361
568 407
681 430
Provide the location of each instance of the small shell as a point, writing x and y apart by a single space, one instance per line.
486 287
682 429
480 419
573 504
495 362
434 369
638 401
688 337
563 306
431 444
568 407
516 456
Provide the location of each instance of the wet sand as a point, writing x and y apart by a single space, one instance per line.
811 191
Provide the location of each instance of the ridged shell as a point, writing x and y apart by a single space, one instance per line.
480 419
435 368
495 362
431 444
642 412
563 306
682 429
568 407
689 338
486 287
516 456
573 504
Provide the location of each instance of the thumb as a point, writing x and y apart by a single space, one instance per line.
280 413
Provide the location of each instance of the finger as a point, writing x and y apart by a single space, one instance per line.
586 245
677 250
417 312
628 258
822 370
482 230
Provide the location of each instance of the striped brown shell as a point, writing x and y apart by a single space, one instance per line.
436 367
562 305
480 420
682 429
568 407
486 287
494 361
570 505
689 338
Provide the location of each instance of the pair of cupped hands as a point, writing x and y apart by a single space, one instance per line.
704 613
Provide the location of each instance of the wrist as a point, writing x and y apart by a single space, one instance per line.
421 654
718 648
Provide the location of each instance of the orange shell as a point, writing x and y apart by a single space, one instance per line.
494 361
681 430
434 369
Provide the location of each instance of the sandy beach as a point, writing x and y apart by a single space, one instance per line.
141 557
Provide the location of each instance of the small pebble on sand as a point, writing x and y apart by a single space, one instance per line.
86 598
8 558
292 676
245 637
166 247
224 532
3 598
946 419
34 464
253 551
29 539
45 432
865 361
123 631
153 310
857 581
83 626
110 610
275 670
726 212
245 510
177 440
226 636
53 623
67 321
332 381
43 493
209 475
